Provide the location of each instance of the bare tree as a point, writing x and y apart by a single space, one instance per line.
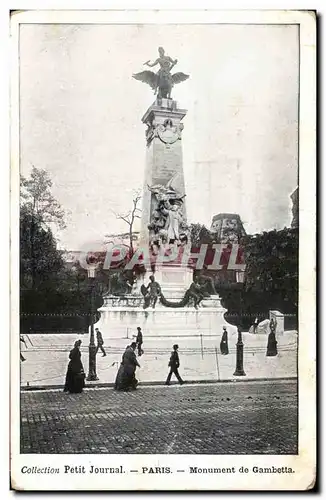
130 217
121 279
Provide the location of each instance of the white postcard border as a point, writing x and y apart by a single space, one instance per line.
304 462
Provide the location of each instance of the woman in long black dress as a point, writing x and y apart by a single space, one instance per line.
75 378
224 346
125 379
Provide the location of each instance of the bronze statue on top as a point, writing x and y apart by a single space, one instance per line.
162 81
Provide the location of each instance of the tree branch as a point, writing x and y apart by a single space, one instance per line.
121 217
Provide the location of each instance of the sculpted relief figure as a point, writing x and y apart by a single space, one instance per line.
120 284
151 293
193 296
195 292
167 221
172 209
202 287
162 81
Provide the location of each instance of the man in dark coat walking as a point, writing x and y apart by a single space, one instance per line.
100 341
174 364
139 341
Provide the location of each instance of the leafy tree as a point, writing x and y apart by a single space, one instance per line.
38 201
271 277
272 266
40 266
40 260
199 234
39 209
51 299
234 235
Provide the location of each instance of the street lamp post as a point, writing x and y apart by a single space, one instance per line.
239 371
92 347
240 276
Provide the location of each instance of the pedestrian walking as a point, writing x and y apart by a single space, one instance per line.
139 341
75 377
100 342
126 376
174 364
272 325
23 341
271 342
224 347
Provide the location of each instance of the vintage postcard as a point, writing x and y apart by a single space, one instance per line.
163 193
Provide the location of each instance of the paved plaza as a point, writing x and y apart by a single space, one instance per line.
225 418
200 357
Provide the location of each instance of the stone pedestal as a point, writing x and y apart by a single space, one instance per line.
174 280
122 314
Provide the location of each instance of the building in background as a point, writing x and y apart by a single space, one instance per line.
227 227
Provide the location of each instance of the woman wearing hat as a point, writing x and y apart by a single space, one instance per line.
224 347
75 377
126 378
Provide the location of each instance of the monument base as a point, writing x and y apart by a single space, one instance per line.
119 315
174 280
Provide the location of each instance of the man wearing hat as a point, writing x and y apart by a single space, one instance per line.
100 342
174 364
139 341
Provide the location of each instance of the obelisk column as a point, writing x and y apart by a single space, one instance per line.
163 155
164 167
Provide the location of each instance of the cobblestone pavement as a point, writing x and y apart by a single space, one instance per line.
225 418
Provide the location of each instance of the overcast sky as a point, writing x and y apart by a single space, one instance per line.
81 116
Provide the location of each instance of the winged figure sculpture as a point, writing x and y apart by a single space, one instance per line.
163 81
167 192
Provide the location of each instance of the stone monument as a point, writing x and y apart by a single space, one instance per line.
167 297
164 218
